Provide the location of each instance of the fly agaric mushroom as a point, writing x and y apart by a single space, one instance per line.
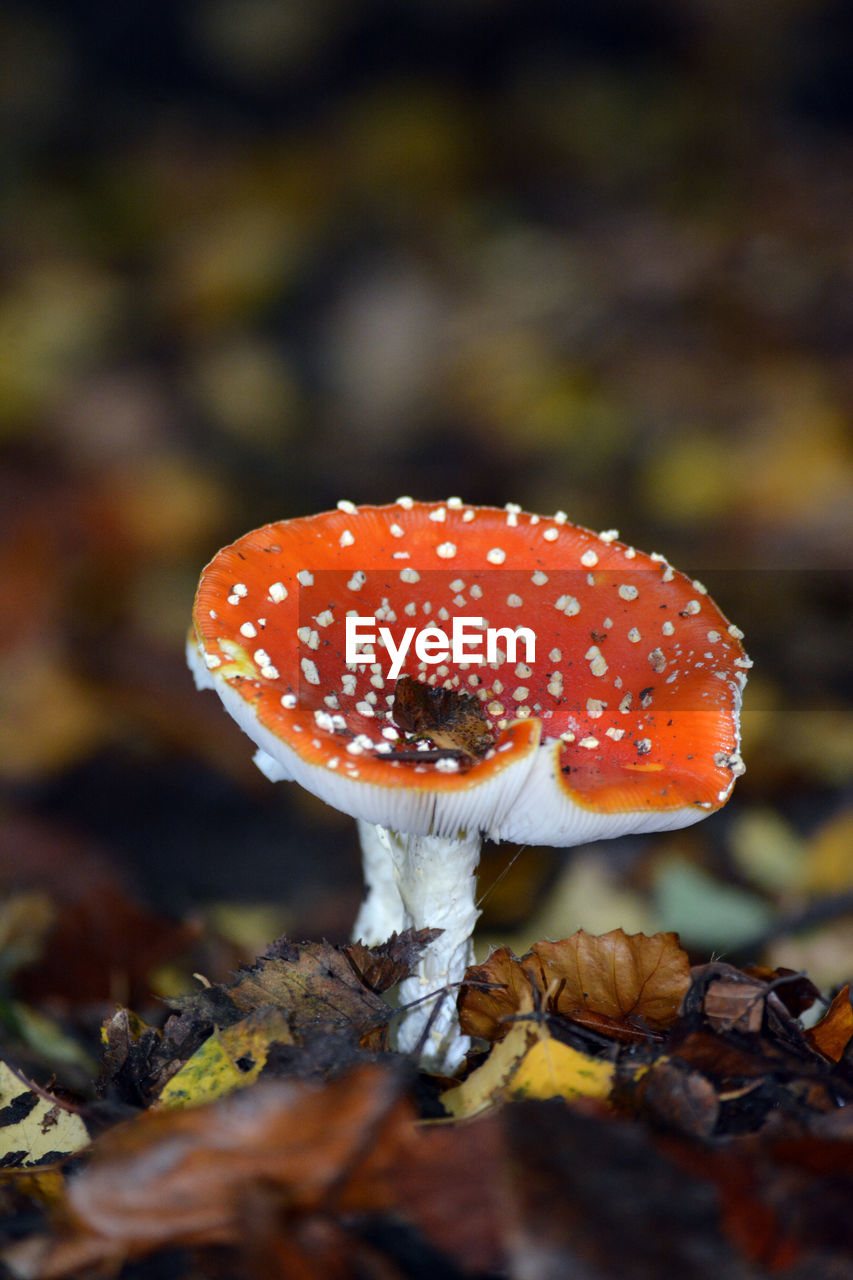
322 636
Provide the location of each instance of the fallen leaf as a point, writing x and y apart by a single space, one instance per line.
34 1129
168 1179
630 980
623 985
229 1059
492 994
738 1004
383 966
833 1033
529 1063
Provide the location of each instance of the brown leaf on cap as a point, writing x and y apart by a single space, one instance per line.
833 1033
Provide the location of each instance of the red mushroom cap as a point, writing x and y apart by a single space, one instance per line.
627 719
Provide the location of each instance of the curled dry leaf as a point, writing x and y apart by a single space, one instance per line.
834 1032
625 985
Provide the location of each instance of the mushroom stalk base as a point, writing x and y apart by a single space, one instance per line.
424 882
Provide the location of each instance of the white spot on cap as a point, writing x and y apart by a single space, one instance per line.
551 534
615 734
692 606
595 707
608 535
396 530
267 670
476 591
349 507
634 636
468 516
556 655
348 682
325 619
288 701
454 503
521 693
496 555
409 575
668 629
277 592
735 632
446 550
627 591
590 743
597 661
588 559
406 503
347 538
514 601
357 580
539 578
212 661
364 708
305 577
439 515
248 630
713 637
567 605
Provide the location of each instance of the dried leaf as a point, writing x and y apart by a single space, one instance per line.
383 966
738 1004
630 980
492 994
833 1033
313 983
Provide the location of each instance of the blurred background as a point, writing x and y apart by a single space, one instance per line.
259 256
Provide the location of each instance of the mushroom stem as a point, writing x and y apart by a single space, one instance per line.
424 882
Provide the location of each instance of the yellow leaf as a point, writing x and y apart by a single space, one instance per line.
32 1129
229 1059
529 1063
551 1069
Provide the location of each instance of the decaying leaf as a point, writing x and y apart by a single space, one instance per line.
35 1130
230 1058
625 985
325 1000
834 1032
383 966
